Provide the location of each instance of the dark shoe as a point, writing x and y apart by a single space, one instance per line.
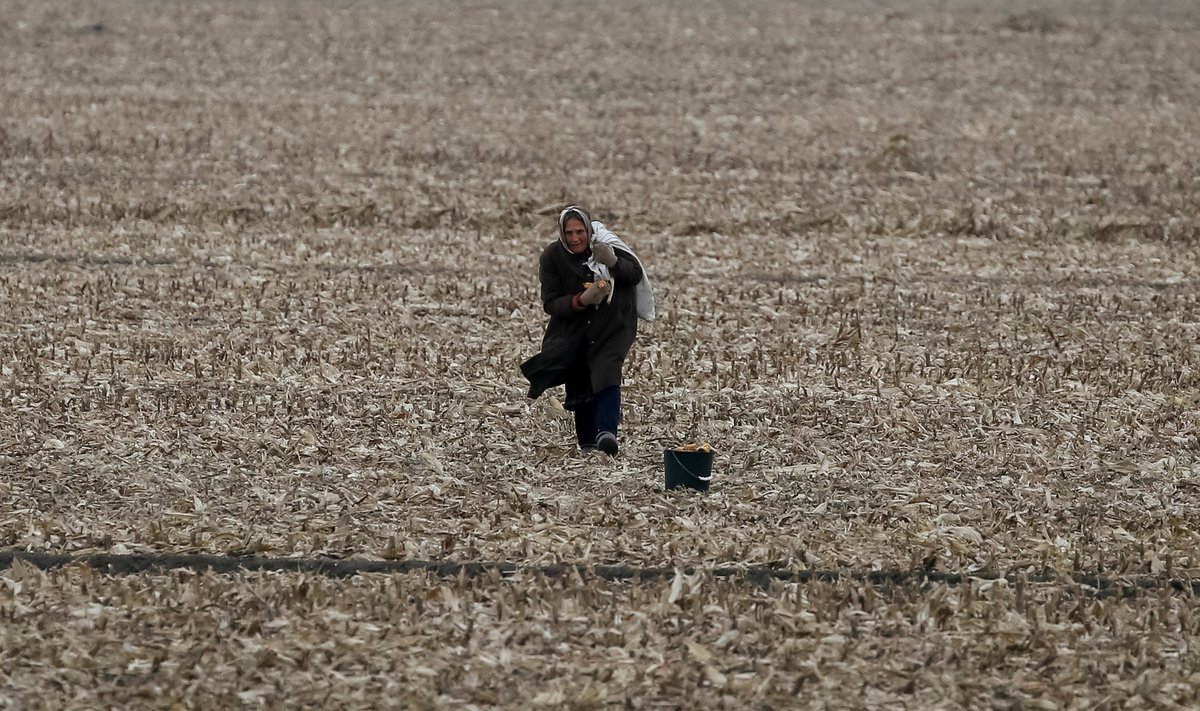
607 442
587 451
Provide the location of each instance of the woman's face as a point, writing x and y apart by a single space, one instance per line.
575 235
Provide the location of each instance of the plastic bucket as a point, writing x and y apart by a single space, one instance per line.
688 469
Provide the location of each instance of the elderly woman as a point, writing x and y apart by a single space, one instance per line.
594 289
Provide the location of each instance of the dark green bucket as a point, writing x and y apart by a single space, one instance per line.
687 469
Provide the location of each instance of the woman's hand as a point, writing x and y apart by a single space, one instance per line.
596 292
604 254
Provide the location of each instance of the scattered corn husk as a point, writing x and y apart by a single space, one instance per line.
926 277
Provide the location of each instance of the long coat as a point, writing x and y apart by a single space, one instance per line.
583 349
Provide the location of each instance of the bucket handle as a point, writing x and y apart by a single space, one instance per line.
689 471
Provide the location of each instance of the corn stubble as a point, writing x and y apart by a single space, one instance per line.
927 283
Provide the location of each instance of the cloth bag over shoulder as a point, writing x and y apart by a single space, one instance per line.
644 292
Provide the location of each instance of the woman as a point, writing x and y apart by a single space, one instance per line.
594 289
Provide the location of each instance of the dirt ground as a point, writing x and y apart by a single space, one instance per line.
927 280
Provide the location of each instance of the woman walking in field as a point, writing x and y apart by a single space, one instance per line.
594 289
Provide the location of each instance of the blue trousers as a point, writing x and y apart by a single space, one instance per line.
601 414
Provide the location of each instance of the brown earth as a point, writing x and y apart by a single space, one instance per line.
927 280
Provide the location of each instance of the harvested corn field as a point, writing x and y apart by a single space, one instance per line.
926 280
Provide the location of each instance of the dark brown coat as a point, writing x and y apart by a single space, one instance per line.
583 349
